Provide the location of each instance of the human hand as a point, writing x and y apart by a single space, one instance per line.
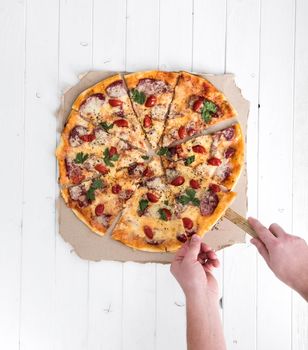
192 266
286 255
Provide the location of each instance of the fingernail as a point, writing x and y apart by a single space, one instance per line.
194 238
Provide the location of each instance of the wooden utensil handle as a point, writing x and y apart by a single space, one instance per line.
240 222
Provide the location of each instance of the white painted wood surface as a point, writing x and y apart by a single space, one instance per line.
49 298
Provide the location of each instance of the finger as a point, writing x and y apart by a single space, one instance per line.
193 249
261 248
263 233
211 255
277 230
181 252
205 248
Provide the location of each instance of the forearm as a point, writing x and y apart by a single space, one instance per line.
204 328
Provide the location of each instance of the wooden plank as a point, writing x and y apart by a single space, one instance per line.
106 278
12 38
209 44
275 162
171 311
105 305
176 23
38 230
142 36
72 273
300 165
240 261
109 34
139 306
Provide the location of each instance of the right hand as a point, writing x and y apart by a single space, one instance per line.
286 255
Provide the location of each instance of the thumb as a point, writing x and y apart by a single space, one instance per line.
194 248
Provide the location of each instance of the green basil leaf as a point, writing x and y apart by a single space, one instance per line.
105 126
108 162
138 96
97 183
210 106
196 202
166 202
183 200
106 153
190 192
162 214
90 194
81 157
143 204
115 157
163 151
189 160
145 157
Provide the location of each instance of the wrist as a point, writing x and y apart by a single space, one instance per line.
202 296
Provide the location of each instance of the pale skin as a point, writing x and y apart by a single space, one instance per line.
286 256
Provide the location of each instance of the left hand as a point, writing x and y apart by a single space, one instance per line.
192 268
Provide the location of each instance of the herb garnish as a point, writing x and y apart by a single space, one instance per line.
164 151
138 96
81 157
105 126
189 197
143 204
162 214
189 160
109 159
97 183
145 157
207 110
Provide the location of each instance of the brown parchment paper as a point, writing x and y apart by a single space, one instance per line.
88 245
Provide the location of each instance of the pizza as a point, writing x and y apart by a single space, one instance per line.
136 159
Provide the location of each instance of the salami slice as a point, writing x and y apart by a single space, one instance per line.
116 89
74 136
208 203
228 133
152 86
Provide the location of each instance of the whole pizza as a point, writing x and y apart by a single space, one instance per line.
135 156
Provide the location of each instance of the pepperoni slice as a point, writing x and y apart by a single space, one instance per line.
230 152
121 123
182 132
115 189
214 187
74 136
151 101
208 203
112 151
115 102
198 104
147 121
152 197
188 223
152 86
214 161
178 181
99 210
148 172
176 150
167 213
88 137
76 179
228 133
181 237
116 89
148 232
101 169
194 184
198 149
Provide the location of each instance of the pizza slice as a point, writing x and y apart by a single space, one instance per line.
196 105
86 151
148 222
98 202
107 104
217 157
151 93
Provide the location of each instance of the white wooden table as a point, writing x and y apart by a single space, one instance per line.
51 299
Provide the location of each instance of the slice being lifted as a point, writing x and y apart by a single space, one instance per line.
196 105
217 157
107 104
151 93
